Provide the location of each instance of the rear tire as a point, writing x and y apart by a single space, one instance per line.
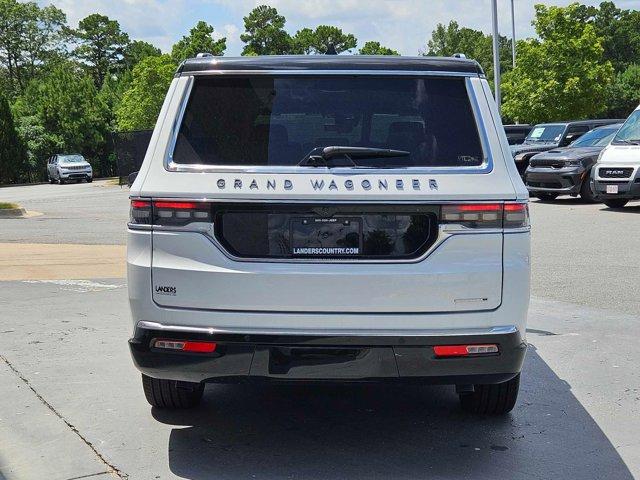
171 394
546 197
616 203
495 399
586 194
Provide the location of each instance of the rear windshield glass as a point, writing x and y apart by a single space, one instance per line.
278 121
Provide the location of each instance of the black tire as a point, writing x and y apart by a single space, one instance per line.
89 180
616 202
546 197
170 393
586 194
61 181
495 399
51 180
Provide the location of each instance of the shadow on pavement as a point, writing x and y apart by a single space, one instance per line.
373 431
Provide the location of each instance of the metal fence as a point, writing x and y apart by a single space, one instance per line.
130 149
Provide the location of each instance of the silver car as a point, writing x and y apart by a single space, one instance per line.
64 167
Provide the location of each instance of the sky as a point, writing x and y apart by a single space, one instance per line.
404 25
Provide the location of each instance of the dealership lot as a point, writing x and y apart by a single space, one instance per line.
72 403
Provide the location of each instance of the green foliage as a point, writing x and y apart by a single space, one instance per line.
141 103
101 46
29 36
374 48
199 40
624 93
450 39
137 50
12 153
264 32
62 112
307 41
560 76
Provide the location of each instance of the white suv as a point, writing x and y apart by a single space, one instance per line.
329 218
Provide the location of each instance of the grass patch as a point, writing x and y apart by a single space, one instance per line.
7 205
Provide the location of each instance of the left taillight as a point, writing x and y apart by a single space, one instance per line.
168 213
140 212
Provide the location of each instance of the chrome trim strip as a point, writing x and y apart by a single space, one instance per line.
386 72
499 330
485 167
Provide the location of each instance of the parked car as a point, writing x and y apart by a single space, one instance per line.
567 171
547 136
517 133
64 167
329 218
616 176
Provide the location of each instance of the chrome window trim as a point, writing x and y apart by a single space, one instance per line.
485 167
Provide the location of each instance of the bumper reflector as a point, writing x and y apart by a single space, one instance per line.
464 350
186 346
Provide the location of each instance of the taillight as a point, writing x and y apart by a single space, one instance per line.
140 212
173 213
486 215
516 215
168 212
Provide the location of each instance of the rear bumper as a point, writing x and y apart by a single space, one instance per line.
283 357
563 181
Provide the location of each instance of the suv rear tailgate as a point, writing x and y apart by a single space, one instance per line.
461 273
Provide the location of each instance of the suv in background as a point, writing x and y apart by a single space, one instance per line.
329 218
517 133
547 136
64 167
616 176
567 171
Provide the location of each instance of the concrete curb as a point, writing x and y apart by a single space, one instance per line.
13 213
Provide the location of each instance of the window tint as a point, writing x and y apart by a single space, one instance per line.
264 121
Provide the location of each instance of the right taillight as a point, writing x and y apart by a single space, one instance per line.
486 215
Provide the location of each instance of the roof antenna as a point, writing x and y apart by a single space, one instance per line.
331 50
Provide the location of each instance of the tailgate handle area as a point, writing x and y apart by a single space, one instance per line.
282 359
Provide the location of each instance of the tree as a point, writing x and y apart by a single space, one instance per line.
302 42
137 50
29 36
318 41
63 108
620 32
264 32
374 48
624 94
101 46
199 40
562 75
12 152
141 103
450 39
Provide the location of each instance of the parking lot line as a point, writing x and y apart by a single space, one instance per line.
30 261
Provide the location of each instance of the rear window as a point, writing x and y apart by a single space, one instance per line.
278 121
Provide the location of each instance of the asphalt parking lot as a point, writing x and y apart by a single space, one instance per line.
71 403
